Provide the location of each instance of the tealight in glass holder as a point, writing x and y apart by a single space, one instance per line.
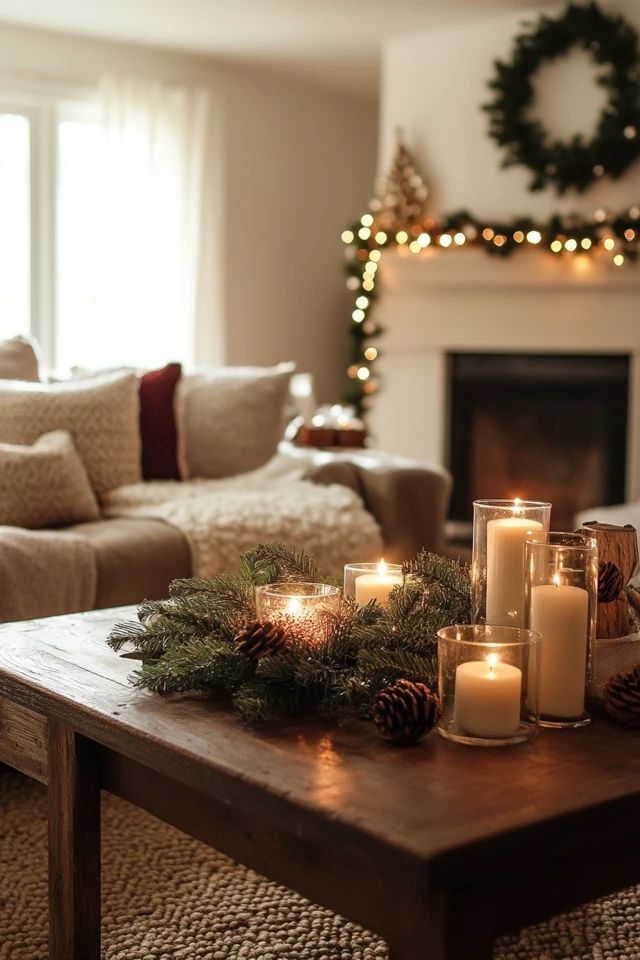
303 608
500 528
561 598
487 684
364 582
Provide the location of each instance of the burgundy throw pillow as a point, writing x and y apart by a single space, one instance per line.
158 423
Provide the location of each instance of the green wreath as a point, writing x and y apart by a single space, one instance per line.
577 163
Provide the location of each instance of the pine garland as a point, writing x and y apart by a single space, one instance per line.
187 642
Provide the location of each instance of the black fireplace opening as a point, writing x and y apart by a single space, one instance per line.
538 427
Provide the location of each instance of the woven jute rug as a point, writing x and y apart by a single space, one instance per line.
167 897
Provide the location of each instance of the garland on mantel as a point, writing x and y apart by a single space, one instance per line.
205 637
616 238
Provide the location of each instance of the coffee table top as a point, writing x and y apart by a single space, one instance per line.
433 803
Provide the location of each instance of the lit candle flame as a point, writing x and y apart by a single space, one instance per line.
294 607
492 660
517 507
382 569
556 579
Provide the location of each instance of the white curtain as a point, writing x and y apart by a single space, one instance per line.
156 223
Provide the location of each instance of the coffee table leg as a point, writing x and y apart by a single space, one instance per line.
74 846
447 928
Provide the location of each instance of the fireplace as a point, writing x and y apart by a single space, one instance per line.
537 426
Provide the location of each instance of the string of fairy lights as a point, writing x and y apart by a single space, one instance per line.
615 239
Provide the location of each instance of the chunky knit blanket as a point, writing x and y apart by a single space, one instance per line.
223 518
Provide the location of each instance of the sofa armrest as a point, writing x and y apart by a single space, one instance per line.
408 499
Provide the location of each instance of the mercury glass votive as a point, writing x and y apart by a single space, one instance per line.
487 684
561 598
500 528
364 582
301 607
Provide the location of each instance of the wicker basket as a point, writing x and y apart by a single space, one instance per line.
610 657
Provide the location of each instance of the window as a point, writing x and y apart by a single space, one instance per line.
15 229
100 221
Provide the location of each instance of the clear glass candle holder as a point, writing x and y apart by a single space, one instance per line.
305 609
364 582
487 682
561 598
500 528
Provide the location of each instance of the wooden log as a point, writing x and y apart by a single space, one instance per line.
617 545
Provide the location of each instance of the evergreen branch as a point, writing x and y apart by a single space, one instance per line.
186 642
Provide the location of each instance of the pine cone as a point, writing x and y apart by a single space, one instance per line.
405 711
261 639
610 582
622 697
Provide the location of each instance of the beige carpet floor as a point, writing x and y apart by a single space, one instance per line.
167 897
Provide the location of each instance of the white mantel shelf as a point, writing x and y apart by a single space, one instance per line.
440 302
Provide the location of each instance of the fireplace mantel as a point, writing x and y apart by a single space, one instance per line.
441 302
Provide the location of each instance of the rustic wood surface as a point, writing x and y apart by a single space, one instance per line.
617 545
23 740
404 841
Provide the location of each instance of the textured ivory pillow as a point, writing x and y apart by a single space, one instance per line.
230 420
18 360
44 485
100 414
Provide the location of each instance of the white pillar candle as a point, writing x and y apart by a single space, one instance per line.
505 568
376 586
560 614
487 698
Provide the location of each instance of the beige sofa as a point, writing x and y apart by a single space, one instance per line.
136 559
134 554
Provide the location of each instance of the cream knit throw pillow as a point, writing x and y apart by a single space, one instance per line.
100 414
18 359
44 485
230 420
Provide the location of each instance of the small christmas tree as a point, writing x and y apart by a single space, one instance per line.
401 196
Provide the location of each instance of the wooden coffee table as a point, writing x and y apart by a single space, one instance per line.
437 848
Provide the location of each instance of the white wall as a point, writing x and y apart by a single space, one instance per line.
297 164
433 86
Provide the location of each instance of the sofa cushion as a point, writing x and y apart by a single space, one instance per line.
100 414
158 423
44 485
136 559
18 360
230 420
